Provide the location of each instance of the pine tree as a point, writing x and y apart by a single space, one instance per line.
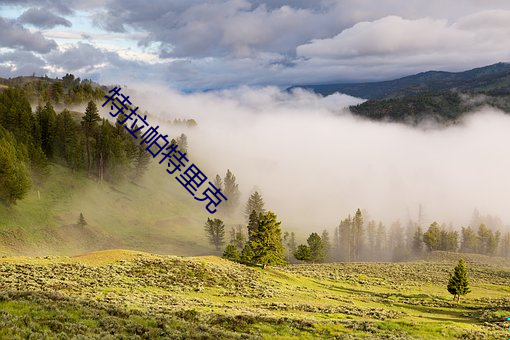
89 122
81 221
418 241
14 175
357 234
371 237
432 237
215 231
345 231
382 242
266 241
231 253
247 254
458 284
253 224
326 243
470 242
46 117
303 253
231 192
316 247
182 142
237 237
255 203
289 239
218 183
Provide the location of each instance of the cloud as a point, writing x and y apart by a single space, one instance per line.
60 6
21 62
477 39
15 36
80 56
42 18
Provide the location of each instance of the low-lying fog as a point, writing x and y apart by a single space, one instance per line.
315 163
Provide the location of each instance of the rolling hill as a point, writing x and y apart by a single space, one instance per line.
488 79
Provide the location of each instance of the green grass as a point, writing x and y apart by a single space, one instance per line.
156 215
140 295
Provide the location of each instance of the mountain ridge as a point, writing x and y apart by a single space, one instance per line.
491 78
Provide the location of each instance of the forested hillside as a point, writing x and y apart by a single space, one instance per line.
443 97
72 181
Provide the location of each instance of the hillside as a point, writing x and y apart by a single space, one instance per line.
156 215
443 97
140 295
488 79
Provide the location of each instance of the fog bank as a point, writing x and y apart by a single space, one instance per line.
315 163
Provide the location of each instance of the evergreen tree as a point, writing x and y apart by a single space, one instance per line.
469 241
215 231
357 233
14 175
46 117
381 239
336 245
66 139
231 253
418 241
182 142
316 247
81 221
505 245
458 284
345 232
303 253
253 224
247 254
231 192
89 122
218 183
432 237
289 239
237 237
255 203
326 243
266 241
371 238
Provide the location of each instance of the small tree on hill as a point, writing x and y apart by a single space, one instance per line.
266 241
231 253
81 221
458 284
316 247
303 253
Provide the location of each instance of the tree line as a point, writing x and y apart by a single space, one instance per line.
357 240
353 239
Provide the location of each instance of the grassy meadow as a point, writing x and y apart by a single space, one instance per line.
136 295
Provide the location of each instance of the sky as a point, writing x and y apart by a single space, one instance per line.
193 45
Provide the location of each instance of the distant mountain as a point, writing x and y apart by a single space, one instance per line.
493 79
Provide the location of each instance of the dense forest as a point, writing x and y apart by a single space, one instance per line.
81 141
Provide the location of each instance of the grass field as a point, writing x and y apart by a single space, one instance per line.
156 215
117 293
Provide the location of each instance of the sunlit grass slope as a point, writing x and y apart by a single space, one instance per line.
139 295
156 215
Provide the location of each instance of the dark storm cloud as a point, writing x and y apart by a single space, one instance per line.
42 18
16 36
